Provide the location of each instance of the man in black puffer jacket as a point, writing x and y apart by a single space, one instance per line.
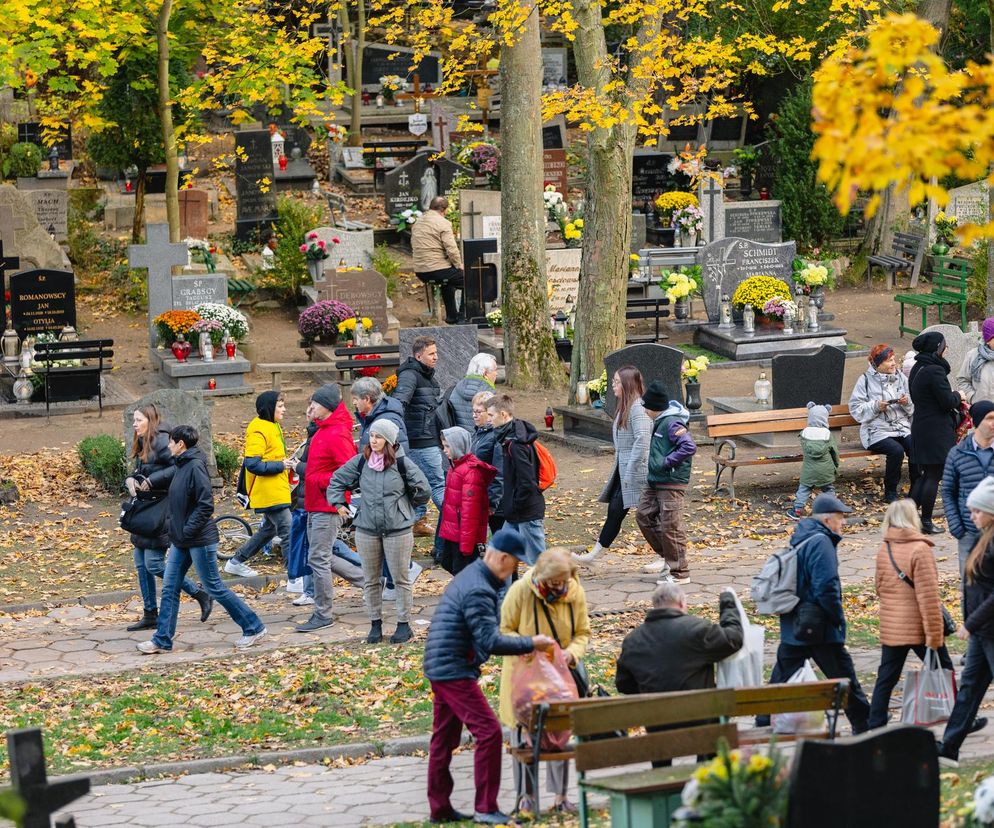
419 392
464 633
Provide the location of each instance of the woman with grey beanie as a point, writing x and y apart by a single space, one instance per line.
391 489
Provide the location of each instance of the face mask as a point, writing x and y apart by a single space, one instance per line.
550 593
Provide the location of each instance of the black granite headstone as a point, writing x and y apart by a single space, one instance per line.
651 176
380 59
802 378
31 132
42 300
760 221
256 200
884 778
402 185
654 361
480 283
552 136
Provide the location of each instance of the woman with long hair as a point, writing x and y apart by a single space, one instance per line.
630 430
153 472
910 610
977 626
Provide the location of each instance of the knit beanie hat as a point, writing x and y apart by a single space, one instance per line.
988 328
979 410
818 415
982 497
389 431
930 342
656 397
328 396
265 405
458 439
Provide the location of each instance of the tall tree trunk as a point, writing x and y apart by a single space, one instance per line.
139 220
531 359
352 41
166 119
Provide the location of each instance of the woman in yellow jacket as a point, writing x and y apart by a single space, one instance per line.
267 480
547 599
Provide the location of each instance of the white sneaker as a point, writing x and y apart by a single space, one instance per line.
303 601
233 567
295 585
247 641
150 648
389 594
415 570
670 579
654 568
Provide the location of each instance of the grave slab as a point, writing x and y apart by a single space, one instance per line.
958 344
51 209
735 344
457 345
654 361
728 262
193 213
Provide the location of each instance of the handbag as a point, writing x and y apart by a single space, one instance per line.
810 623
145 514
948 624
579 671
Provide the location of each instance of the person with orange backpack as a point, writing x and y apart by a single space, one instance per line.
525 469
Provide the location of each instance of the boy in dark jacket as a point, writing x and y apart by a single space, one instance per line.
194 539
522 504
660 511
484 446
464 633
821 459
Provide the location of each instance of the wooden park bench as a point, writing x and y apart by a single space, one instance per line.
277 369
239 290
723 427
648 309
64 383
387 356
906 253
948 275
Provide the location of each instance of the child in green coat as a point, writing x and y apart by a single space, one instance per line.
821 458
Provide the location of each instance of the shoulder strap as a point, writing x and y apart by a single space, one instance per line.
548 617
362 464
900 573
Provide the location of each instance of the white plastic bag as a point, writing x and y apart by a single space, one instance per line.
805 721
744 668
929 693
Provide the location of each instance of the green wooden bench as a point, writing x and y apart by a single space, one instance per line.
948 276
238 290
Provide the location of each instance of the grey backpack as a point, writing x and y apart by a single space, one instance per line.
774 589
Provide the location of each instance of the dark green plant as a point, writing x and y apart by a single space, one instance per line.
23 161
387 265
809 216
747 159
296 218
228 461
103 458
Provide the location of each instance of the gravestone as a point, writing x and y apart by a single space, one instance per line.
958 344
443 120
158 255
754 220
638 232
970 204
402 185
51 208
365 291
654 361
711 197
179 408
255 198
651 175
475 206
190 291
887 777
556 169
481 279
457 345
352 158
193 214
24 237
562 268
727 262
554 133
802 378
554 66
42 301
29 780
379 59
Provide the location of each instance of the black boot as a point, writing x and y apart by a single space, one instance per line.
148 621
206 604
375 633
402 633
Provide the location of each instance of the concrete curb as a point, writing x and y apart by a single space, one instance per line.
404 746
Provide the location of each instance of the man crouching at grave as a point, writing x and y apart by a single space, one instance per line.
436 255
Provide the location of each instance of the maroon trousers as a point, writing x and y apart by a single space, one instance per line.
458 703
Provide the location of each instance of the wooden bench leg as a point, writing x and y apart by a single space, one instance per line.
276 380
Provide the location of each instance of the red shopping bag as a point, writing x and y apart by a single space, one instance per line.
541 677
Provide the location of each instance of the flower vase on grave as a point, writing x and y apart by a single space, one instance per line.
684 238
206 347
181 348
680 310
818 294
940 248
693 390
316 268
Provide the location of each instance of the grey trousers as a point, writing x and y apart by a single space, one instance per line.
396 549
556 773
322 530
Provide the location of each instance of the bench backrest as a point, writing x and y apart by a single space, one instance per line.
100 349
694 716
949 276
791 698
783 419
908 245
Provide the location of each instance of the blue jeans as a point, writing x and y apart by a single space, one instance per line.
204 558
275 524
804 492
429 460
973 683
533 534
151 564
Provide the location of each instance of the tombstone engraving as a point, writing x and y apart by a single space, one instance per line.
729 261
158 255
365 291
651 176
554 133
193 212
379 59
51 208
29 778
481 278
42 300
970 203
254 178
190 291
457 345
754 220
404 186
562 268
554 66
958 345
24 237
178 408
556 169
654 361
474 206
802 378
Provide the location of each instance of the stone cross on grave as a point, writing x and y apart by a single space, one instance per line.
403 180
30 780
472 212
712 195
158 255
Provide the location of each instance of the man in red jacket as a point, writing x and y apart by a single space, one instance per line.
331 447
